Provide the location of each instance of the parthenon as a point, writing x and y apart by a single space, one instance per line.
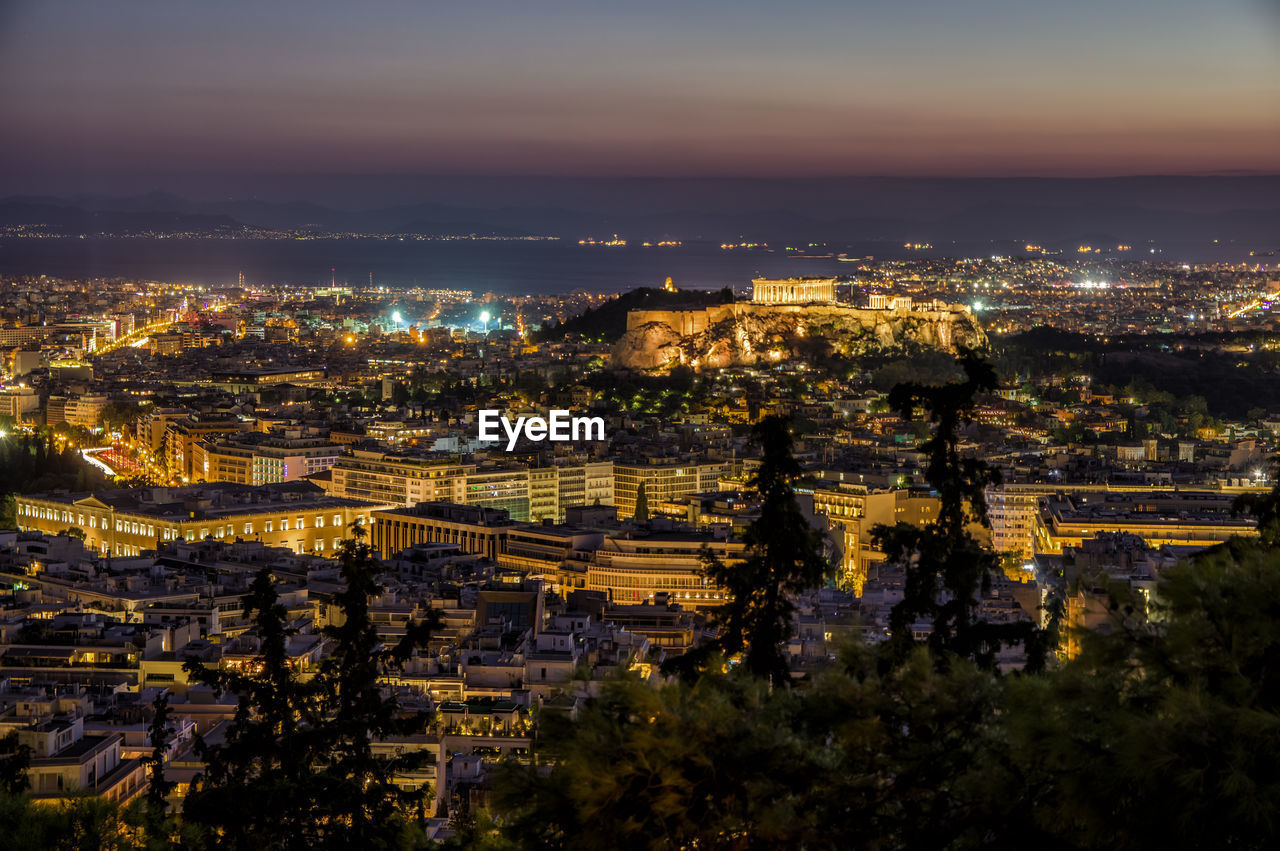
793 291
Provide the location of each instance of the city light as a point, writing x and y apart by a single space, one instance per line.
923 463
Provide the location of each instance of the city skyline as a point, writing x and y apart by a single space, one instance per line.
599 426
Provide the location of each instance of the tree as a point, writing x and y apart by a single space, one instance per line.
15 759
256 788
357 788
8 511
945 567
785 556
399 394
158 825
642 504
298 767
158 788
1164 732
713 762
1263 506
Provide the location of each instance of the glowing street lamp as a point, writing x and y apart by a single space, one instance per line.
485 317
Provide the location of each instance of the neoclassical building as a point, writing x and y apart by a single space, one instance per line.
793 290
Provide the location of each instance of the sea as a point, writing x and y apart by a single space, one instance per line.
503 267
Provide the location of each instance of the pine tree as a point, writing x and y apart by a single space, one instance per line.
298 768
785 556
358 786
946 569
158 788
158 826
642 504
256 789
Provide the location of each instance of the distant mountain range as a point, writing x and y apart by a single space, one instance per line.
1047 211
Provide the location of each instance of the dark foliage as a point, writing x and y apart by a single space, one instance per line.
946 569
298 768
785 556
608 322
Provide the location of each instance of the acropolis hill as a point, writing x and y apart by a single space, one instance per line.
780 315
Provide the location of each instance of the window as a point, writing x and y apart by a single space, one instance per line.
269 526
337 520
319 521
284 524
302 523
248 528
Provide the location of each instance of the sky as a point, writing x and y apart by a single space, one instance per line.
130 91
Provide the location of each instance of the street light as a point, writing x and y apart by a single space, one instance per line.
485 317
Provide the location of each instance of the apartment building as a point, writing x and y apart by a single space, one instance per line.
400 478
84 411
17 402
852 511
664 480
67 762
1012 509
554 489
257 458
181 436
526 494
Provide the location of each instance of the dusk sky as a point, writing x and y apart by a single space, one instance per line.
909 87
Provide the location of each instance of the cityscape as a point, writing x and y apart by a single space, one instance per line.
557 484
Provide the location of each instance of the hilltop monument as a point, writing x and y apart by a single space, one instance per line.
781 313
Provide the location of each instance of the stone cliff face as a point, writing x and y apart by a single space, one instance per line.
747 334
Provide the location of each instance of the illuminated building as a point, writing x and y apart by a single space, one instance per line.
1012 510
793 290
180 437
663 482
126 521
852 511
255 458
528 494
472 528
649 564
1187 518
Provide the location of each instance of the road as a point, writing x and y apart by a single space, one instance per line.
135 337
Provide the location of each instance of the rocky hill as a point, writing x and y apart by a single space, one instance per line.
748 334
